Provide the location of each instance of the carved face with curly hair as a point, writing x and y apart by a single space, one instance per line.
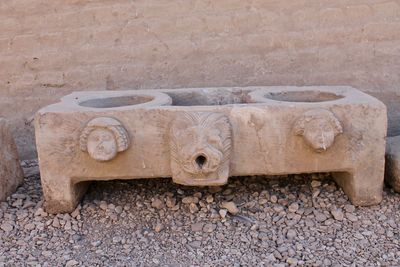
319 127
103 138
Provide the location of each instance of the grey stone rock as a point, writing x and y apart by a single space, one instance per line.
392 163
197 227
337 214
230 206
11 174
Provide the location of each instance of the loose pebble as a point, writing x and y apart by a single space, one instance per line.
230 206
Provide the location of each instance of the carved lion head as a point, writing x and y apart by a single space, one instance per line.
201 142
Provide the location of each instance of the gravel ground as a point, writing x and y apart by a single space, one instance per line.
302 220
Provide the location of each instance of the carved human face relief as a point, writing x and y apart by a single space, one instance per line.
319 134
200 148
103 137
319 128
101 144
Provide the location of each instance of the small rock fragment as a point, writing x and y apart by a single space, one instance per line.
315 183
195 244
157 203
351 217
294 207
337 214
96 243
349 208
171 202
193 208
190 200
292 261
29 226
118 209
320 217
56 222
274 199
158 228
103 205
7 227
230 206
291 234
222 213
209 199
71 263
197 227
209 228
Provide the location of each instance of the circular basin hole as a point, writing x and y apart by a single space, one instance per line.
119 101
303 96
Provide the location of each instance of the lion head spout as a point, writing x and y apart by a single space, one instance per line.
200 144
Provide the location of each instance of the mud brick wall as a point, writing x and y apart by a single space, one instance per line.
50 48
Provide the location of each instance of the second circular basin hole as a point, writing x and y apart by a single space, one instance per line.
303 96
118 101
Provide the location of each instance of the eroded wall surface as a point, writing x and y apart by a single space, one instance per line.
50 48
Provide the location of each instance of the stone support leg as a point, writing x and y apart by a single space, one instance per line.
61 195
363 187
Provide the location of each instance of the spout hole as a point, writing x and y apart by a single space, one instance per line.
201 160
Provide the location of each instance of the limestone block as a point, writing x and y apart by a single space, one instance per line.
203 136
392 170
11 174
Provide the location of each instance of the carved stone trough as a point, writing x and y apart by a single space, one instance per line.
202 137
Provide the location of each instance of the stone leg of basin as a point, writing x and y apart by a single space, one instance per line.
60 194
363 186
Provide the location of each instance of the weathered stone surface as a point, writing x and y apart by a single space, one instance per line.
392 170
11 175
203 136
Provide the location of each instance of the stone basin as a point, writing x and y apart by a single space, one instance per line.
203 136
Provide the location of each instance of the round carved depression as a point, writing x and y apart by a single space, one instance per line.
303 96
117 101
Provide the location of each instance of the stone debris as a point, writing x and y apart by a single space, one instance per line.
159 227
392 163
230 206
291 234
351 217
337 214
222 213
145 222
157 203
11 173
71 263
294 207
209 228
197 227
190 200
315 183
6 227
